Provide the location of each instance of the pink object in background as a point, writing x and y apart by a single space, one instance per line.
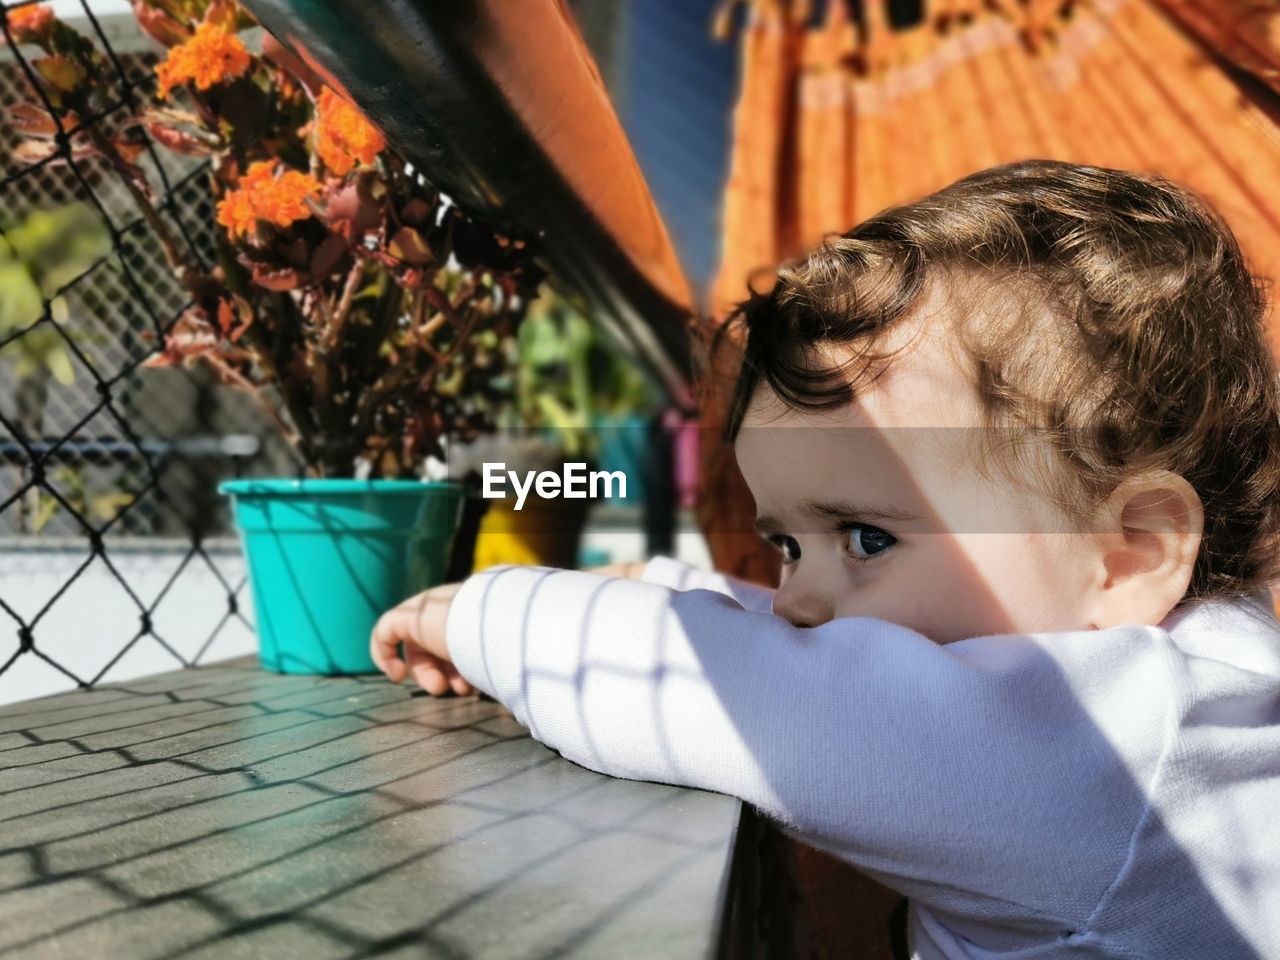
684 444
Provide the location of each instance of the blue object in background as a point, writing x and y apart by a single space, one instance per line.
589 557
674 87
624 445
327 557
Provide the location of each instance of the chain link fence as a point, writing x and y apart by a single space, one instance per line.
95 451
115 547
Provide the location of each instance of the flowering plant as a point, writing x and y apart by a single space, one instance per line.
365 312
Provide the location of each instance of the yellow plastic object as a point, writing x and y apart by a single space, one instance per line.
544 533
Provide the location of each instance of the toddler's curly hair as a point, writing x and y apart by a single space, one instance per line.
1112 313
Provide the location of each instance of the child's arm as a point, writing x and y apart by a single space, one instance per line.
935 768
423 615
681 576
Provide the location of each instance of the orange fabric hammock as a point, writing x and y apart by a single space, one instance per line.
840 116
1245 32
839 119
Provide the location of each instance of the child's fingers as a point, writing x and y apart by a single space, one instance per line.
392 628
436 676
417 623
427 671
460 684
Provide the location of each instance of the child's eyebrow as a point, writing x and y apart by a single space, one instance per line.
838 510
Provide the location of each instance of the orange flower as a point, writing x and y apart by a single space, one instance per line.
343 137
30 24
257 174
210 56
262 195
236 213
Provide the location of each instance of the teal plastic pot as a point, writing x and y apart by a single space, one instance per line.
327 557
624 445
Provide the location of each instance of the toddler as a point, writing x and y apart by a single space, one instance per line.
1018 444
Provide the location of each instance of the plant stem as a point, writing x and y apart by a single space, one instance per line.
385 314
272 355
386 386
244 383
416 313
464 331
349 289
428 330
317 353
178 261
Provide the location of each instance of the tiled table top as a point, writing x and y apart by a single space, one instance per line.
222 811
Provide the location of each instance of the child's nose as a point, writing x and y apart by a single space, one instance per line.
803 600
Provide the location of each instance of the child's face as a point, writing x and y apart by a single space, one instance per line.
880 510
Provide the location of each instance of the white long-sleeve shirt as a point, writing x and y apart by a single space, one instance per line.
1109 793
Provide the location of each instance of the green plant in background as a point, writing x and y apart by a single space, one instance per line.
570 376
73 483
39 257
44 253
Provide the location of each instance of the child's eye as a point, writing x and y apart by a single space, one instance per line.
866 541
788 545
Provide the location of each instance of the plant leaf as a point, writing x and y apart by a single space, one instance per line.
179 141
409 246
62 72
278 280
35 122
352 211
20 302
328 256
158 25
58 360
48 507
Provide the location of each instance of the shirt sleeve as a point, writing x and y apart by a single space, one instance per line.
681 576
966 775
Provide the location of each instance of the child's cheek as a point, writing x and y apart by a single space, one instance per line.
1022 583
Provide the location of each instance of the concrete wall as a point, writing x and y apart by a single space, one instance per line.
86 627
89 623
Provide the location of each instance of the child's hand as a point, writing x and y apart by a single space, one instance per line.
418 623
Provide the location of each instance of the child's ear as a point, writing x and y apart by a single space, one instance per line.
1149 533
